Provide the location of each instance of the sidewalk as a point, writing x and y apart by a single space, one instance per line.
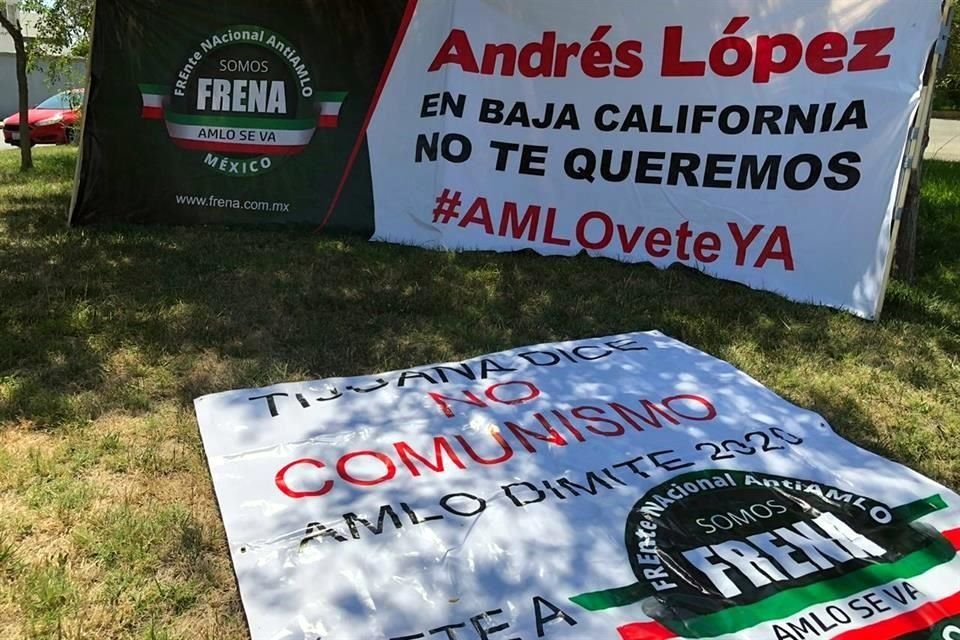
944 140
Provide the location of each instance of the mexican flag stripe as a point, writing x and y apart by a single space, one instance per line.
328 109
330 96
953 537
920 619
328 106
646 631
153 98
913 511
151 113
241 122
239 139
613 598
246 149
158 89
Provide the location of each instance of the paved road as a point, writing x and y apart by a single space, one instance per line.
944 140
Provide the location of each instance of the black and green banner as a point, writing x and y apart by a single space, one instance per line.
248 112
743 532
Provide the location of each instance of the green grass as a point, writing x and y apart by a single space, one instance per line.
946 100
108 525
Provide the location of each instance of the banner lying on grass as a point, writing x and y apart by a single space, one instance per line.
627 487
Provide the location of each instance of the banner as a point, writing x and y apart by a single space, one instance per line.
242 113
628 487
758 142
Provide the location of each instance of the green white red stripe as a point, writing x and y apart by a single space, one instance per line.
233 134
154 98
328 105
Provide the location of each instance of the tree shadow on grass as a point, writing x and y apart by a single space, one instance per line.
139 321
117 319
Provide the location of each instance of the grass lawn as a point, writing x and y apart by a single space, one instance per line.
108 525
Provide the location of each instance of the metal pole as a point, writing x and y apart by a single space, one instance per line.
77 173
915 147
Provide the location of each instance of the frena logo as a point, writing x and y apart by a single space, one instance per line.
245 98
718 552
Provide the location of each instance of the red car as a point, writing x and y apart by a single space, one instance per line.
53 121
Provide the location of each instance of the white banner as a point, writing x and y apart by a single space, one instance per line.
627 487
757 141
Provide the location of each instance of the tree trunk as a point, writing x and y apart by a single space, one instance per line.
26 154
906 256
